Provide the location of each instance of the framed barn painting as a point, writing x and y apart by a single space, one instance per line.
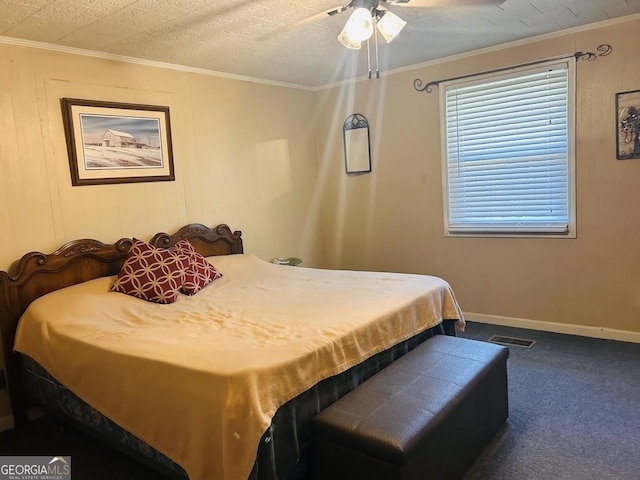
628 125
111 142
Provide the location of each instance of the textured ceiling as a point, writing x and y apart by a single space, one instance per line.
251 38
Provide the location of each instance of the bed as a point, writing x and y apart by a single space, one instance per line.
234 406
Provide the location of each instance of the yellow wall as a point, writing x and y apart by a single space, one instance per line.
392 218
244 153
225 132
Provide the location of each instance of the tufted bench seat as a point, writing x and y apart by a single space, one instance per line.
426 416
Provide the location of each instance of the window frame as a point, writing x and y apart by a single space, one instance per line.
571 232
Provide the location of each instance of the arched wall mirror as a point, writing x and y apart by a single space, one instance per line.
357 150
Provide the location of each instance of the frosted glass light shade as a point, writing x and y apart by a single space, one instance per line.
359 27
344 39
390 25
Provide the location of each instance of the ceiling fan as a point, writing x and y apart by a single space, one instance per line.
371 15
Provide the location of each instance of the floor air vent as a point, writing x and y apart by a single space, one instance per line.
512 342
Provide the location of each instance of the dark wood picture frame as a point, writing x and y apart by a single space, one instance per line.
110 142
628 125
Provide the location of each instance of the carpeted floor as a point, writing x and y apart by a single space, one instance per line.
574 410
574 414
90 459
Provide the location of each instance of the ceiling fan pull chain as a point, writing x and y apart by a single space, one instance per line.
375 32
368 60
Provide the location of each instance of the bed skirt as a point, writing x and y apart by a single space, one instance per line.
282 452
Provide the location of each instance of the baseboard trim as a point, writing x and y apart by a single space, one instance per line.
568 328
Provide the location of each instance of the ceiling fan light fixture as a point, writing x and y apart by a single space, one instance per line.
390 25
344 39
359 27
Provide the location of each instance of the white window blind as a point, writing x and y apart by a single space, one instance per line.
508 152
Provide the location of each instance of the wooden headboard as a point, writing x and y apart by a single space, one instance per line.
37 274
206 241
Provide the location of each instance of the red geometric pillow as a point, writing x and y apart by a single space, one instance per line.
200 273
151 273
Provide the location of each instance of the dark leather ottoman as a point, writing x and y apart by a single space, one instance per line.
426 416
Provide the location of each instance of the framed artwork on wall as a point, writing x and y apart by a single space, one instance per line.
110 142
628 125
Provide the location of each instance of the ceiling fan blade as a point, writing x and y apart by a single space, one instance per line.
441 3
305 21
317 17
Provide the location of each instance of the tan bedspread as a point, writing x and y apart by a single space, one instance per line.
200 379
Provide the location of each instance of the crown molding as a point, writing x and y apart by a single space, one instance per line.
141 61
495 48
213 73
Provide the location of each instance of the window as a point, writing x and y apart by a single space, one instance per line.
508 152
